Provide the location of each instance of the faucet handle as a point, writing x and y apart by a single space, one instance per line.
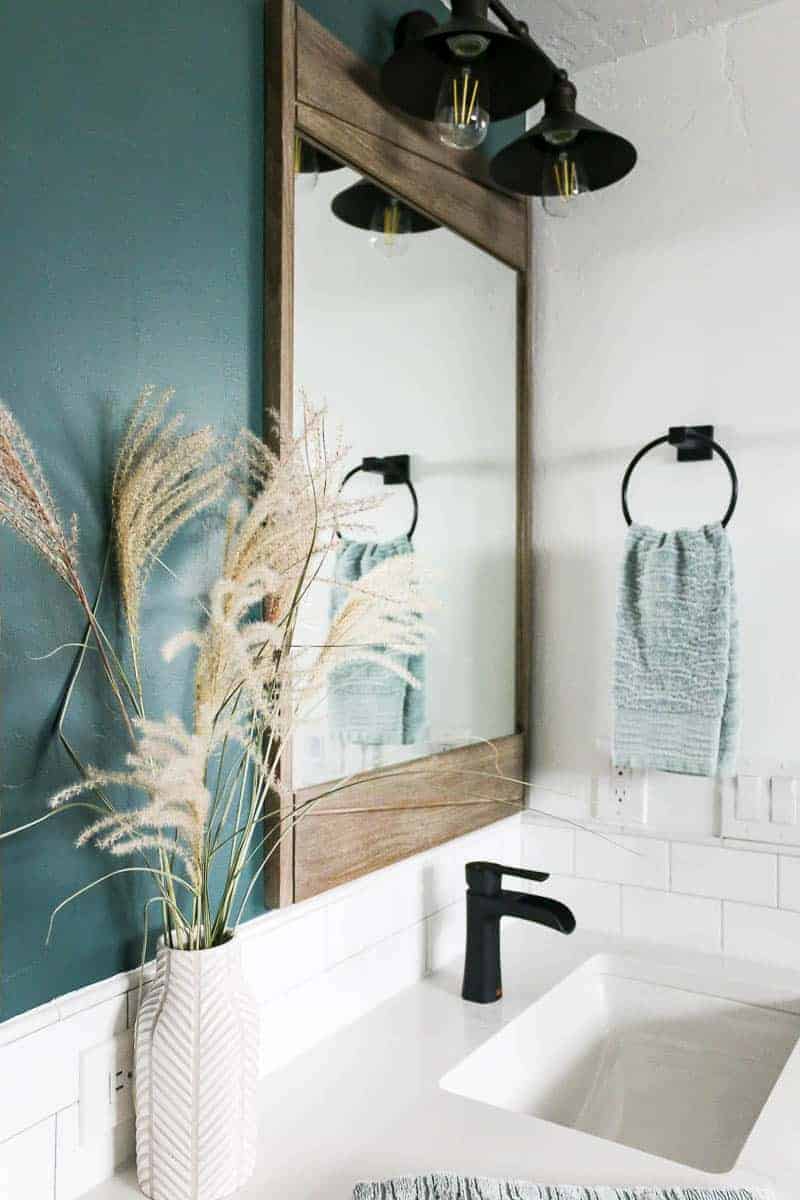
486 878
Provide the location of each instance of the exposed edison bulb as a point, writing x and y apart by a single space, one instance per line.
563 180
462 114
390 228
306 165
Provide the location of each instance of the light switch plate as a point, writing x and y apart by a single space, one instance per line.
750 804
105 1096
762 807
783 800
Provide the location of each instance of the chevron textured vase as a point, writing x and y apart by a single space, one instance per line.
196 1066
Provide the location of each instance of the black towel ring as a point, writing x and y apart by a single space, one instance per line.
395 469
683 436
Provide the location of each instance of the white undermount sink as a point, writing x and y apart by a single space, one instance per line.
680 1066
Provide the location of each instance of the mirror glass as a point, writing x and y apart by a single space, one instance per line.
406 334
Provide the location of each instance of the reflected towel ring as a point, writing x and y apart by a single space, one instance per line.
395 469
686 439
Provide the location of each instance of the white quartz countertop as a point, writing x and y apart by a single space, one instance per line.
366 1103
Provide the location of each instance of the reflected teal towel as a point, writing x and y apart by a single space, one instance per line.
367 704
449 1187
676 688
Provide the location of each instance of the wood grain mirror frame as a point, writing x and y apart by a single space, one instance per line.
317 87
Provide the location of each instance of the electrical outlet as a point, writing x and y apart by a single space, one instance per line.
621 797
105 1096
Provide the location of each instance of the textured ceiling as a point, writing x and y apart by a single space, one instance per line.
578 33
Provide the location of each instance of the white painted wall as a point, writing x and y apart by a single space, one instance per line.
416 355
671 298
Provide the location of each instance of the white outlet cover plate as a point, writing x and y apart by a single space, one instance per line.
609 809
100 1105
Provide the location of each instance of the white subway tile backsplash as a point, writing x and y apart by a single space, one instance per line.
321 965
765 934
27 1023
106 989
619 859
97 1024
443 876
43 1067
391 901
447 931
724 873
595 905
28 1161
317 967
294 1022
693 922
81 1166
361 983
548 848
789 883
278 959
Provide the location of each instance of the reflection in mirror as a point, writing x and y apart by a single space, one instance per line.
407 334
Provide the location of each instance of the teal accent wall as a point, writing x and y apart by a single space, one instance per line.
131 211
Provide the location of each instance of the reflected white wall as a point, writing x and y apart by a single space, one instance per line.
416 355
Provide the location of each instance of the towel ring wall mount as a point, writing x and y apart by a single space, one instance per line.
694 443
395 468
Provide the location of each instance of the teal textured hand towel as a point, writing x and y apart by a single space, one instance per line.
368 704
450 1187
676 685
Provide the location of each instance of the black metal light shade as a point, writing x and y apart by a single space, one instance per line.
519 73
357 204
529 165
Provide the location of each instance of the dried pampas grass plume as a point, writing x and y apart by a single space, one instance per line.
294 509
161 481
28 507
168 766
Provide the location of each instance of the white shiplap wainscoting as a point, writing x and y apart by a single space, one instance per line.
314 968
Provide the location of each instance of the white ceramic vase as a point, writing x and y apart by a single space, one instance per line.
196 1068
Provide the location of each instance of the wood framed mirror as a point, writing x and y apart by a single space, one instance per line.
320 95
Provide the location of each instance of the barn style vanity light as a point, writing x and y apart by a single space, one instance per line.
563 156
465 73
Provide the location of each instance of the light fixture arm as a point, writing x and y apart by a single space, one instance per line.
514 25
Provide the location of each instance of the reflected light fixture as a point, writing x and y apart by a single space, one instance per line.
310 163
564 156
389 220
464 73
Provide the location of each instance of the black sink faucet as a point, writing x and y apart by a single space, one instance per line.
487 902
